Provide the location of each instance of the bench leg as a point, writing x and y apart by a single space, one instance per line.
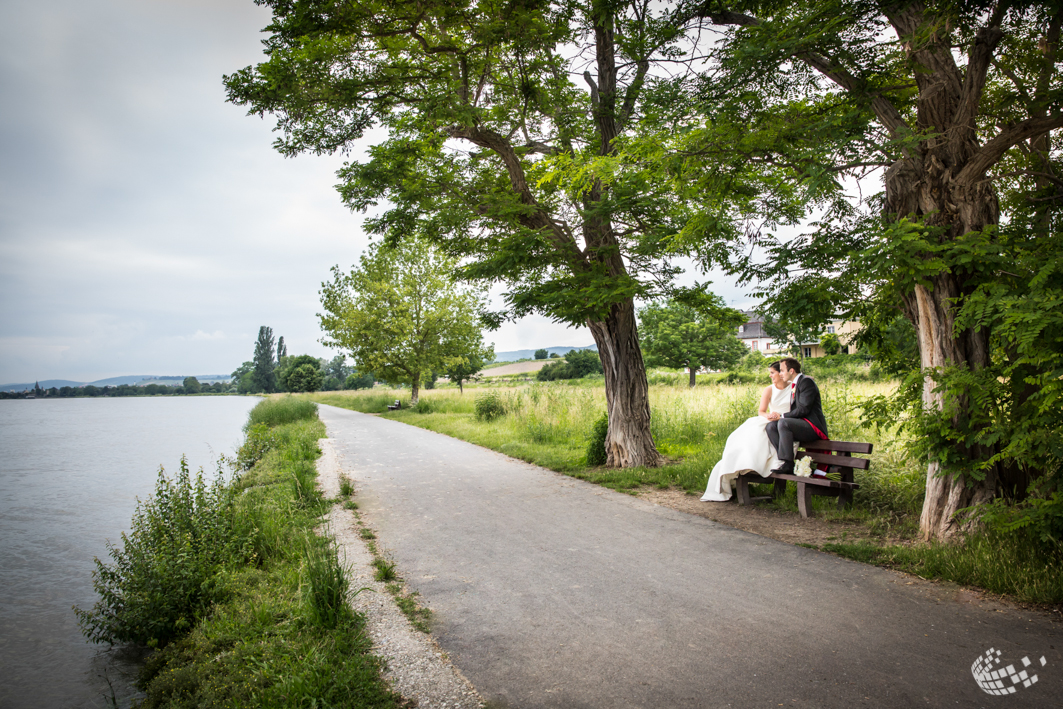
742 490
845 498
804 499
780 489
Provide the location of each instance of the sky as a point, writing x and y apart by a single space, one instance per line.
146 225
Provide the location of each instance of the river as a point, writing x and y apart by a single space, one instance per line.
70 473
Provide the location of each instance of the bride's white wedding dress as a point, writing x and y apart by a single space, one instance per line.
747 449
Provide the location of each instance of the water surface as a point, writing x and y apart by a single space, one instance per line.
70 473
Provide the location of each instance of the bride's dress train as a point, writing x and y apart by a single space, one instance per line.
747 450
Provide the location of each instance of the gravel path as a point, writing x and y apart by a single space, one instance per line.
416 667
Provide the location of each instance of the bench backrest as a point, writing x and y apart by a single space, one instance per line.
826 452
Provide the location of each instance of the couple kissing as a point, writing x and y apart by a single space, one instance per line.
790 412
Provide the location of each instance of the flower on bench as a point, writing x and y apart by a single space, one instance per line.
803 467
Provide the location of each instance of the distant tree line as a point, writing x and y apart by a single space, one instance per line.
190 386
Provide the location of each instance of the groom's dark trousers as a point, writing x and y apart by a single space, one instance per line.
783 432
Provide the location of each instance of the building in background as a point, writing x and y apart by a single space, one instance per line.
753 336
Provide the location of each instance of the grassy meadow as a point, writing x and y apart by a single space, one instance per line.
550 424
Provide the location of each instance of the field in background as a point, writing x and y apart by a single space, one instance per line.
549 424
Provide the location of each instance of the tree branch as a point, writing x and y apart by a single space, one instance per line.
993 150
979 58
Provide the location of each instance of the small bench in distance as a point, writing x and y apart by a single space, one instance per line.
396 406
835 454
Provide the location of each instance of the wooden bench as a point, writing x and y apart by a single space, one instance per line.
396 406
835 454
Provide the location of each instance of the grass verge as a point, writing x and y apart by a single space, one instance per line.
276 629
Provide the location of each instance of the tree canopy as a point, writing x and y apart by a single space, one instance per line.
400 314
495 153
263 377
678 335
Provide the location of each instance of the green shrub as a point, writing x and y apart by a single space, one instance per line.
741 377
280 410
258 441
490 406
596 454
425 406
577 364
306 377
359 381
163 576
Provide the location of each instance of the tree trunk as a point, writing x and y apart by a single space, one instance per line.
415 387
693 375
629 442
924 187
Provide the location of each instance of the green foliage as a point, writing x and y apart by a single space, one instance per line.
675 334
259 439
263 377
357 380
191 385
306 377
470 365
400 314
346 487
324 583
577 364
279 410
1039 520
164 575
385 570
287 368
541 354
489 406
830 343
596 454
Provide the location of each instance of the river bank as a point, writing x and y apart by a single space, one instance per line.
269 622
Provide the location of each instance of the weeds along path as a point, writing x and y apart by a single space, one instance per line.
551 592
415 666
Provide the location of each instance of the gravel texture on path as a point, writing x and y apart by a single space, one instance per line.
416 667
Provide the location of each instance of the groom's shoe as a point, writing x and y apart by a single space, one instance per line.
787 468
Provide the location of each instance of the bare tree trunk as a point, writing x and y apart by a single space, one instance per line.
629 442
693 375
415 387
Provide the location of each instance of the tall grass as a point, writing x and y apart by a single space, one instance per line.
550 424
279 410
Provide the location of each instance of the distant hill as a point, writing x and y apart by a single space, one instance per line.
514 355
138 379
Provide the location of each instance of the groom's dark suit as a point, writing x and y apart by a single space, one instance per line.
800 422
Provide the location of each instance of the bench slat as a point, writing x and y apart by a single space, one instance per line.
841 461
821 482
839 446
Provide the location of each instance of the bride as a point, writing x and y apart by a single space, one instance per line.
747 448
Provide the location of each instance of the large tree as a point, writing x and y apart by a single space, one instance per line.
495 153
680 335
956 104
400 314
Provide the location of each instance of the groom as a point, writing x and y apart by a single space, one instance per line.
803 422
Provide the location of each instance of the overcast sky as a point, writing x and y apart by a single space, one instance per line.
147 226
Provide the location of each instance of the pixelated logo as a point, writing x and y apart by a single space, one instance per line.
996 681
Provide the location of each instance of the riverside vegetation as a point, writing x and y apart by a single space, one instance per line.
561 426
243 603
